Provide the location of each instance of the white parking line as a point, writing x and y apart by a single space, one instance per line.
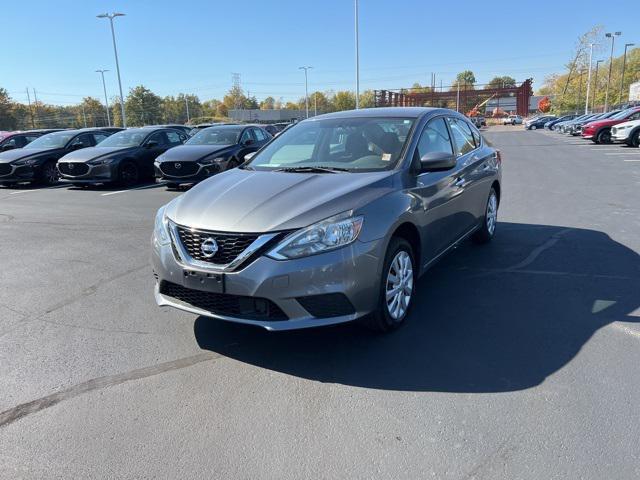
38 189
632 160
625 153
143 187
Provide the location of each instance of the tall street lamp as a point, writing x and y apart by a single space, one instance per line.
106 99
357 56
612 36
111 16
624 64
595 85
306 88
586 100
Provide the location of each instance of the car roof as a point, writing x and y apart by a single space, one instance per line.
385 112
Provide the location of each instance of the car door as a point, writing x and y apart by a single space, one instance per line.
469 175
246 144
436 191
155 144
261 137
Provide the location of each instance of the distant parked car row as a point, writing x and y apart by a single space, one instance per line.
618 126
110 155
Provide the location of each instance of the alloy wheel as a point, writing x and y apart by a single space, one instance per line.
399 285
50 173
492 213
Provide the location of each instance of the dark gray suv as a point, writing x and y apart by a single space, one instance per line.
332 221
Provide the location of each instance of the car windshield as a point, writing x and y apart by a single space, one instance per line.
126 138
216 136
352 144
51 140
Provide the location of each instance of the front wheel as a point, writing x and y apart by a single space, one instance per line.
128 174
490 221
634 139
604 136
397 287
50 174
533 127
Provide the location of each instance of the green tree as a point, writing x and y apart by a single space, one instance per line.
367 99
267 104
143 107
7 117
502 82
234 99
466 78
344 100
91 113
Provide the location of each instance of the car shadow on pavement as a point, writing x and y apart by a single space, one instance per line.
495 318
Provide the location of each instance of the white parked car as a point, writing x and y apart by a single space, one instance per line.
512 120
627 132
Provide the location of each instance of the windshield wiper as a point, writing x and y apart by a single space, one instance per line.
314 169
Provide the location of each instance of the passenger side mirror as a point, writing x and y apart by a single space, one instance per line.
7 147
152 144
437 161
77 146
249 156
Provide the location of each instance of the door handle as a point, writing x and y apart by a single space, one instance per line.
460 182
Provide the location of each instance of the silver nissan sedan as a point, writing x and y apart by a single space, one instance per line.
332 221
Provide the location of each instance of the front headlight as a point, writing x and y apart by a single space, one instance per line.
211 161
161 229
101 161
329 234
25 161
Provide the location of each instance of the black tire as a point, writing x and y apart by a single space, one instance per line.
381 320
128 174
490 221
533 127
604 136
173 186
49 173
634 139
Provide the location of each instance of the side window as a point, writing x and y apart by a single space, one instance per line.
174 138
15 142
635 116
30 138
435 138
476 136
158 137
461 135
83 141
260 136
246 135
98 137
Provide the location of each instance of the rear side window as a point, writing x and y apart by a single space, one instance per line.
99 137
158 137
260 136
246 135
462 136
174 138
435 138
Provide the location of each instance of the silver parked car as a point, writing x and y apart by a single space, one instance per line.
332 221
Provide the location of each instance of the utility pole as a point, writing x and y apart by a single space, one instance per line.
106 100
357 57
111 16
624 65
35 102
315 104
586 101
458 98
306 89
613 40
595 85
186 102
84 115
33 123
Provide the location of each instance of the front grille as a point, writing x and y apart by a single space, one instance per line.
179 169
327 305
73 169
5 168
230 245
250 308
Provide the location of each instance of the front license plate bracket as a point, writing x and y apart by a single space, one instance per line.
208 282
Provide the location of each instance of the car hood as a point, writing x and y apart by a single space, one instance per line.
93 153
190 153
20 153
601 123
630 123
247 201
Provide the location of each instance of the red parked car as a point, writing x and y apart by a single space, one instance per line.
599 131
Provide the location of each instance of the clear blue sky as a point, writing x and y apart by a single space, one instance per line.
193 46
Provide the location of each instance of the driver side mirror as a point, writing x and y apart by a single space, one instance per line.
437 162
77 146
249 156
248 141
7 147
152 144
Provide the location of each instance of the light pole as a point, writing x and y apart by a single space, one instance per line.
106 100
624 65
306 88
111 16
595 85
357 57
586 100
612 36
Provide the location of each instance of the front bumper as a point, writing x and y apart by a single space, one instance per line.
620 136
87 173
353 271
196 172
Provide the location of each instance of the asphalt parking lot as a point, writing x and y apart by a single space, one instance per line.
520 359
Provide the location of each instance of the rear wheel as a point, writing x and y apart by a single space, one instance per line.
533 127
604 136
397 288
49 174
128 174
488 229
634 139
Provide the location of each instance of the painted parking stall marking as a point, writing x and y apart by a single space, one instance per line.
143 187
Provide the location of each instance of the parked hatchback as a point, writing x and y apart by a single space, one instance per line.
210 151
334 220
36 161
125 158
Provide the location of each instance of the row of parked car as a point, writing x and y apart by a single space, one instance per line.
114 155
617 126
